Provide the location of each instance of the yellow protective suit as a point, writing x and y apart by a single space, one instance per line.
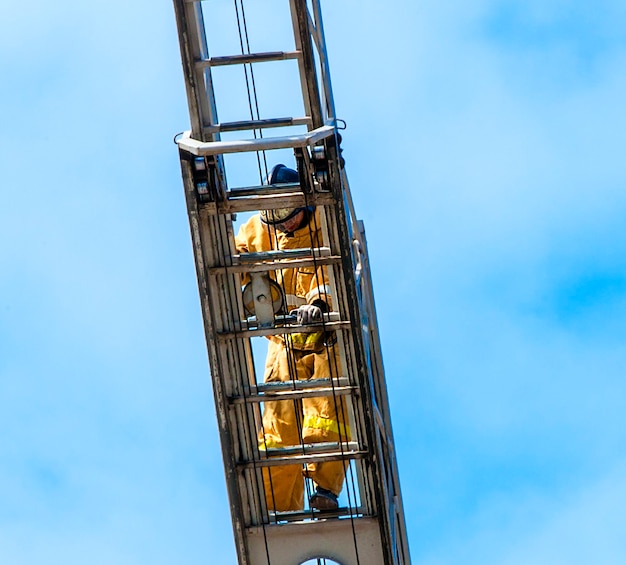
298 357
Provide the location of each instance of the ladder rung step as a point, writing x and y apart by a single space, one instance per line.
258 124
281 254
289 322
295 394
297 385
275 265
299 516
309 449
283 188
281 319
268 202
204 148
304 459
260 261
248 58
284 330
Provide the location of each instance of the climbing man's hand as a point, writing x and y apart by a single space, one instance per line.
308 314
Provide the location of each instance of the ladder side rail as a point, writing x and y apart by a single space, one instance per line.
198 81
320 43
401 537
306 63
239 419
219 392
250 414
394 517
390 469
387 516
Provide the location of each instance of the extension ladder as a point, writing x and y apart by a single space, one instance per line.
368 528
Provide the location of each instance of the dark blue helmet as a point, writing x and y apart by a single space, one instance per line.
280 175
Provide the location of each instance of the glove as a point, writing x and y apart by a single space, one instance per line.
308 314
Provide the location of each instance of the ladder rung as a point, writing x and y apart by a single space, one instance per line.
258 124
309 449
304 459
295 394
283 188
261 261
275 265
248 58
297 385
281 319
301 515
253 331
268 202
204 148
284 330
281 254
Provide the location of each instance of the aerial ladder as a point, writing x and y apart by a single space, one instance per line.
225 175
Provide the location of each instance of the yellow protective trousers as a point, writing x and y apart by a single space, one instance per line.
292 422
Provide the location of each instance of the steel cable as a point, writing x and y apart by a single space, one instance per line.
242 28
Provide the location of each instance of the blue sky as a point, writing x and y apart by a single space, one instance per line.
485 153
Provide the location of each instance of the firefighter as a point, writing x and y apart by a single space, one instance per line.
298 356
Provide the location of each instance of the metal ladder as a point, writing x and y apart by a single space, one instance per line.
370 529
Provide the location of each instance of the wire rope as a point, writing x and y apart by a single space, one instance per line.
242 28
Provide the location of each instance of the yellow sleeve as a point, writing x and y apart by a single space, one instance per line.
243 241
319 288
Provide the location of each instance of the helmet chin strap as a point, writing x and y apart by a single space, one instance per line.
306 218
294 227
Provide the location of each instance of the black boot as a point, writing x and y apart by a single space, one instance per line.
323 499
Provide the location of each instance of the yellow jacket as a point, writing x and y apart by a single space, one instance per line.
301 285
